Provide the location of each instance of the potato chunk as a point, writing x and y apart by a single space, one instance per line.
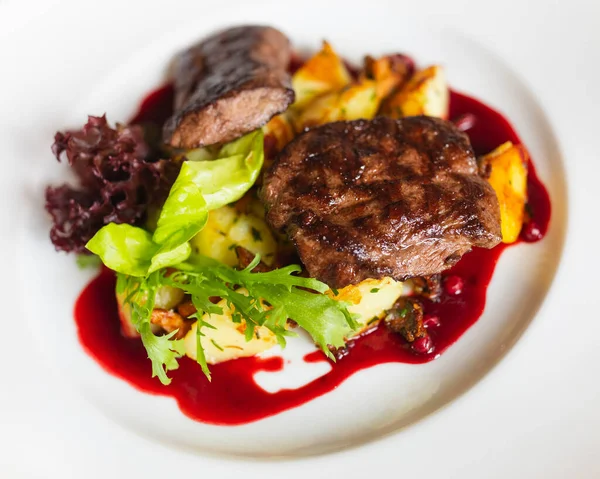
227 228
369 299
278 133
389 72
347 100
322 73
280 129
227 341
507 165
426 93
356 101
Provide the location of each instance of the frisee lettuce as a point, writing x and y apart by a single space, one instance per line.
163 351
271 299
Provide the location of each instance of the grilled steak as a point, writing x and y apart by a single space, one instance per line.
368 199
229 84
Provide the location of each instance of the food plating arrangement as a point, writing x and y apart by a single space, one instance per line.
258 196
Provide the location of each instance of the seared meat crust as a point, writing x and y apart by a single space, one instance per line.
369 199
229 84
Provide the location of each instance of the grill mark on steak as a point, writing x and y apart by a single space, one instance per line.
369 199
229 84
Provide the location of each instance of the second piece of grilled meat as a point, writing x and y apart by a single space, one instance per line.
229 84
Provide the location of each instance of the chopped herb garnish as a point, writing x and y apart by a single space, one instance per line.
335 291
216 345
375 290
255 234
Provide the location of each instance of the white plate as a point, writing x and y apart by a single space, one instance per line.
64 69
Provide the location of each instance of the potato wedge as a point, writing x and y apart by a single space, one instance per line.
279 128
227 341
369 299
227 228
323 73
356 101
389 72
426 93
279 131
507 165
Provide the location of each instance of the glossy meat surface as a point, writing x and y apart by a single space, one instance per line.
229 84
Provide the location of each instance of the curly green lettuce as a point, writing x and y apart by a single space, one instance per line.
272 298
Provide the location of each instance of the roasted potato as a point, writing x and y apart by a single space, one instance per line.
323 73
507 166
389 72
426 93
344 99
227 341
279 128
227 227
170 321
369 299
355 101
279 131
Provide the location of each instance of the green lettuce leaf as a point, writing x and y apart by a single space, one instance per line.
130 250
201 186
207 185
165 257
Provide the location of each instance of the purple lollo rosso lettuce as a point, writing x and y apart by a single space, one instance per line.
120 176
